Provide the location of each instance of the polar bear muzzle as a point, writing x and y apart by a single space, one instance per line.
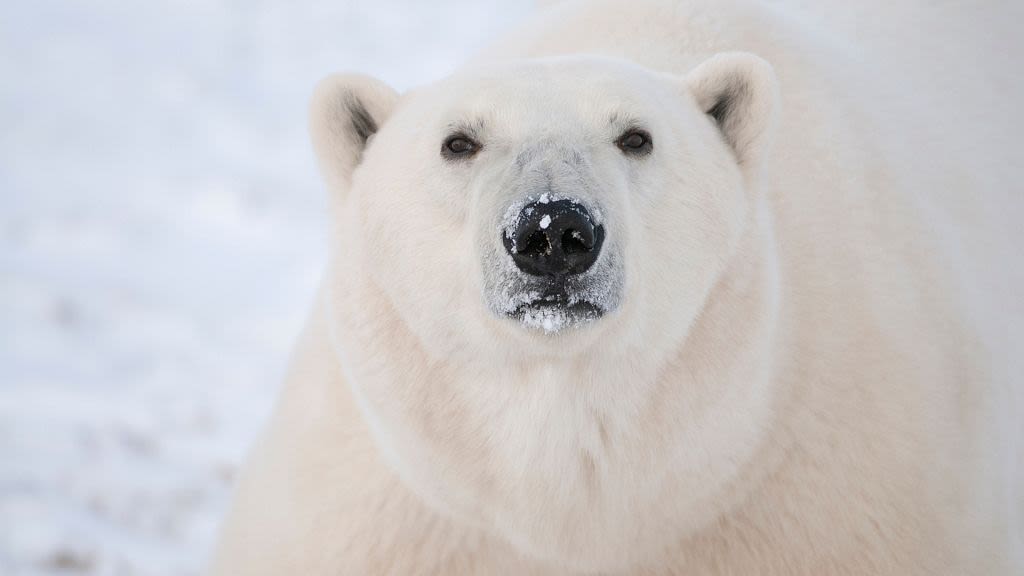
553 268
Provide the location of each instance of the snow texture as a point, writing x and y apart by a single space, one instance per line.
162 231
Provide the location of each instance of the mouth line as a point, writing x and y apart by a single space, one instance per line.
554 312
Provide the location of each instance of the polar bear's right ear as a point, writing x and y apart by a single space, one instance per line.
345 112
739 93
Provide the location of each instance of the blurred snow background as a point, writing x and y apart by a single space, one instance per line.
162 231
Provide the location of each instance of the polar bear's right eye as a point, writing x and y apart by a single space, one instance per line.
459 146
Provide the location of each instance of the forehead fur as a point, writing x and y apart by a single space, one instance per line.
571 90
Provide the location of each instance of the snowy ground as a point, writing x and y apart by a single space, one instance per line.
161 234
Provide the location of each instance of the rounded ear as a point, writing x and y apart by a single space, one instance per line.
739 93
345 112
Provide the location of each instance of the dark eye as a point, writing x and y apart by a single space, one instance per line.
459 146
634 141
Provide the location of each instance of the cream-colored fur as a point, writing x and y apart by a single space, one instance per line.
815 364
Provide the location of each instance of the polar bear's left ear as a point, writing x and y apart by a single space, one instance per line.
345 112
738 91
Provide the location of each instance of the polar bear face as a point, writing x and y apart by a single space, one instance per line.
539 201
529 221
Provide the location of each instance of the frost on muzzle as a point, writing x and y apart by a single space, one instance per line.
557 277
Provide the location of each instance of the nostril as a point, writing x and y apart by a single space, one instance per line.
573 242
537 245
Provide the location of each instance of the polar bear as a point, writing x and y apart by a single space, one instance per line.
662 287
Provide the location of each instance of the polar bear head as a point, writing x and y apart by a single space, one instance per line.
526 237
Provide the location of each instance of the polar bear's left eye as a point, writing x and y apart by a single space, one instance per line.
459 146
635 141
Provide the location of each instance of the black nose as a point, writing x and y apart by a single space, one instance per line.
555 238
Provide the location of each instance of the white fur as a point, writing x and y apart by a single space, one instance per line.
814 366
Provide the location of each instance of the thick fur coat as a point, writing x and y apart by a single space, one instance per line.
803 354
